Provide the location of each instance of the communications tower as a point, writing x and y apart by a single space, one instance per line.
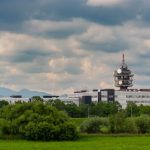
123 77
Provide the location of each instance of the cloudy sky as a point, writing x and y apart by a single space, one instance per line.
57 46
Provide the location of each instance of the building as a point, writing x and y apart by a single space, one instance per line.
138 96
123 79
84 96
15 98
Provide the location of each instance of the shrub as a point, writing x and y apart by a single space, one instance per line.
132 109
117 123
46 131
143 124
36 121
104 129
67 131
40 131
5 126
94 125
3 103
130 126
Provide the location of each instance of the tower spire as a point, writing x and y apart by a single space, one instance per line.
123 60
123 76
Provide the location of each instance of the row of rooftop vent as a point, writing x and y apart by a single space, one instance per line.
44 96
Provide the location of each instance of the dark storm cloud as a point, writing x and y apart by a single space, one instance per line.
14 13
108 46
36 68
144 56
61 33
140 66
37 61
29 55
45 68
68 9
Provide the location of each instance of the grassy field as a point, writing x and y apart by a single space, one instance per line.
84 143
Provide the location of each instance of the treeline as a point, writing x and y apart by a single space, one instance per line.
101 109
50 120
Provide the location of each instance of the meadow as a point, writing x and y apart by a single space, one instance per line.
88 142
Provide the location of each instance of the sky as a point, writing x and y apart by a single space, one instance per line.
58 46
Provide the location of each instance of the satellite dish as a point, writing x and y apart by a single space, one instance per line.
119 71
120 82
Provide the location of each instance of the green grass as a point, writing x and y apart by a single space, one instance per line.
84 143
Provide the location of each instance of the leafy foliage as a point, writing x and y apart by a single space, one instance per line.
117 122
132 109
36 121
94 125
143 124
130 125
103 109
3 103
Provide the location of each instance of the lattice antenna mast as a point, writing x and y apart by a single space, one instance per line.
123 77
123 60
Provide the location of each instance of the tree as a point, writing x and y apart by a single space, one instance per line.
132 109
104 109
117 122
36 121
130 125
40 131
144 109
95 125
56 103
84 110
73 110
37 99
143 124
3 103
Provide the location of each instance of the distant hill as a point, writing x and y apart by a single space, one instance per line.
23 92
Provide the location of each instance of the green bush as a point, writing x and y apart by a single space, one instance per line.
3 103
40 131
94 125
46 131
117 123
67 131
130 126
36 121
143 124
104 129
5 126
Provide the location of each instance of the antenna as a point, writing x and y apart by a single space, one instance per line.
123 77
123 60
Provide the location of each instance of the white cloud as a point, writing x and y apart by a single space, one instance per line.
35 26
13 42
105 84
98 33
104 2
69 52
96 66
